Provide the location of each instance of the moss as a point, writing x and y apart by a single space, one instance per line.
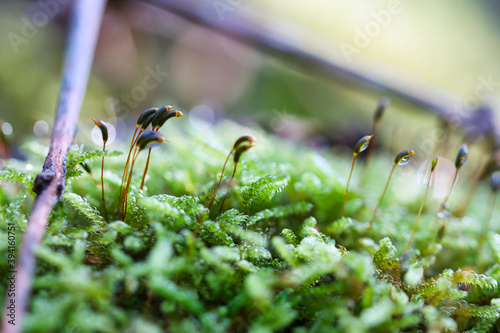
279 257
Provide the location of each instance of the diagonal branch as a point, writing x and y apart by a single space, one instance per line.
49 184
283 45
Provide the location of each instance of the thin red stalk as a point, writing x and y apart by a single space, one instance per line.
347 186
452 186
220 179
102 182
147 163
49 184
419 212
443 206
125 168
122 197
125 194
228 188
146 168
381 198
127 163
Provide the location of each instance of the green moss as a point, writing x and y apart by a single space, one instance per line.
278 258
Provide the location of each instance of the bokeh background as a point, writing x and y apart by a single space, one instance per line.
148 56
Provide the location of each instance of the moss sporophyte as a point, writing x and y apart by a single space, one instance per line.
147 140
156 117
444 212
377 120
402 158
161 116
433 167
361 146
141 120
104 132
241 145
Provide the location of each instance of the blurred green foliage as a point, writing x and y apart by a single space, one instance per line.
238 82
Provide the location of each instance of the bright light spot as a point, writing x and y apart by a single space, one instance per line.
29 167
41 128
423 172
97 135
201 116
7 128
496 238
443 177
120 128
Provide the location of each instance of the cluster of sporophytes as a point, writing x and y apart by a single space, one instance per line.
265 247
144 139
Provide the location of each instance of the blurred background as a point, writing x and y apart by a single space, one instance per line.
310 72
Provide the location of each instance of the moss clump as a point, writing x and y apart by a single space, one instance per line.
279 258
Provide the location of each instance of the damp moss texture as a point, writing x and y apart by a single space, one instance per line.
279 258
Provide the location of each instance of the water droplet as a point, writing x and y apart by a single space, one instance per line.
443 214
41 128
201 116
7 128
362 144
444 211
403 157
405 160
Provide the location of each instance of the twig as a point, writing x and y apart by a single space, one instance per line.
281 45
49 184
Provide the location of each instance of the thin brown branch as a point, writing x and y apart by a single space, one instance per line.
248 30
49 184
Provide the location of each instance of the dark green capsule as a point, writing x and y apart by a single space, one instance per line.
246 138
403 157
86 167
362 144
104 130
382 105
168 115
146 114
240 151
159 114
149 139
434 163
462 155
147 121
